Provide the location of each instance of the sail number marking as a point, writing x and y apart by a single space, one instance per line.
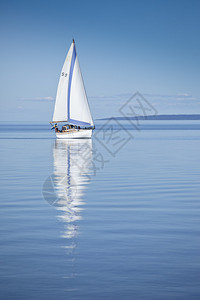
64 74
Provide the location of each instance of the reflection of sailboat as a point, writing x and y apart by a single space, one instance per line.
72 160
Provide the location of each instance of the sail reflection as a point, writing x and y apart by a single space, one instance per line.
72 161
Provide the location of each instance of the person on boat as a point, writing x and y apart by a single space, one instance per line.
55 127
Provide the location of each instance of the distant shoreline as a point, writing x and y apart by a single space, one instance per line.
158 117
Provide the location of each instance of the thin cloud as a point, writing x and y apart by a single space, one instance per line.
48 98
178 97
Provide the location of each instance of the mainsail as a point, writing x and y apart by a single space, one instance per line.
71 100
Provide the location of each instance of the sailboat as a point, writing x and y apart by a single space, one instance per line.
71 106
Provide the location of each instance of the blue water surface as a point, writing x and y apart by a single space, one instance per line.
115 217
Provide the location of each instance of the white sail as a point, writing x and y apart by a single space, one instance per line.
61 107
71 100
79 107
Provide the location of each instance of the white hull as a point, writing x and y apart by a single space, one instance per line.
75 134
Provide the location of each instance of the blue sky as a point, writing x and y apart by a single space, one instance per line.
123 46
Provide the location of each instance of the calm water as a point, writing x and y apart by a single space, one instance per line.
117 217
